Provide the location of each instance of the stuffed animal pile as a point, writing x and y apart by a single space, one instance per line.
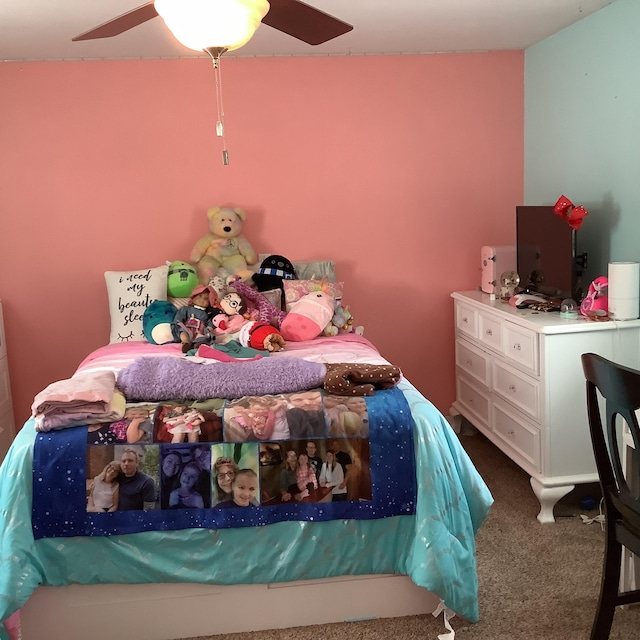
220 264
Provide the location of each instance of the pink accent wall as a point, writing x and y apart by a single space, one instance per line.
397 167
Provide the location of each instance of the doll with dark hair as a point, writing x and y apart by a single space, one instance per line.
192 325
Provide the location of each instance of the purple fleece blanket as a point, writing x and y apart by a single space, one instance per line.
169 378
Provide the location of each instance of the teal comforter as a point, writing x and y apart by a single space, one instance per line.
435 547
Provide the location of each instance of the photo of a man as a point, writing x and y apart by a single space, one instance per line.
137 489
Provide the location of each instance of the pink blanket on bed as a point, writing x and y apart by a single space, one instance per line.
346 347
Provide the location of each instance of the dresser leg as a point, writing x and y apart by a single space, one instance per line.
548 497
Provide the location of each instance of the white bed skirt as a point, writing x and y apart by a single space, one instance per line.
170 611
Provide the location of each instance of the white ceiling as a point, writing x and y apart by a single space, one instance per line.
42 29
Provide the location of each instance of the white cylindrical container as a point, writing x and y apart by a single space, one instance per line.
624 290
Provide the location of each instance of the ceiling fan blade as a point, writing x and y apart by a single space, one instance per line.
120 24
303 22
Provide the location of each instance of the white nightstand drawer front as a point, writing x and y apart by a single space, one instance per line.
467 320
490 331
521 438
521 346
474 400
518 388
473 361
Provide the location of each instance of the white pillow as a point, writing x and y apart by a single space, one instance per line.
130 293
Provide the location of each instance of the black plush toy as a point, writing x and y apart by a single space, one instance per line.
273 270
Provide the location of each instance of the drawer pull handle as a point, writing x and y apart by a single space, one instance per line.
511 433
489 332
517 346
469 362
465 320
512 387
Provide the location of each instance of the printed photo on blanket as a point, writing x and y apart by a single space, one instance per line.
235 475
185 476
134 427
275 417
192 422
347 415
121 478
323 470
254 418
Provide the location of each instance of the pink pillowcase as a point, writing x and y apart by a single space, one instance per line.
295 289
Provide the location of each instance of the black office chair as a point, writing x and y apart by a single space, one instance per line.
620 387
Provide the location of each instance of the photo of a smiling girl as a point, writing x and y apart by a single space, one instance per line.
244 490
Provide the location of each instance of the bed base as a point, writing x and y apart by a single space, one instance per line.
170 611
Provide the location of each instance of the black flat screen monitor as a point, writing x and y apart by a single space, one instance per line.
547 254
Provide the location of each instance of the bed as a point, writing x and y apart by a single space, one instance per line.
401 543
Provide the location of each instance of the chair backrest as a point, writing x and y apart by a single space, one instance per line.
620 388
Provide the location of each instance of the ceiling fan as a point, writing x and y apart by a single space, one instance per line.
292 17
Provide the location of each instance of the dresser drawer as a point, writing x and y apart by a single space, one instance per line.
520 345
473 361
521 438
490 331
473 399
517 387
467 320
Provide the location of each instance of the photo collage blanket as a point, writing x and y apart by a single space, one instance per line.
250 461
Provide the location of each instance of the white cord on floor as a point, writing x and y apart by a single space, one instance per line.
599 518
447 615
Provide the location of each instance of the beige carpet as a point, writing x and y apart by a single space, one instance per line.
537 582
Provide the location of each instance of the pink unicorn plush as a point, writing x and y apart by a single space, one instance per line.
308 317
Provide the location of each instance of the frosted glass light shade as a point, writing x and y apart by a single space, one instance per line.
199 24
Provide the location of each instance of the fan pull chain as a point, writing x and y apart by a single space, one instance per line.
220 108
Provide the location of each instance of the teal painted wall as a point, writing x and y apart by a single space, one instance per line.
582 129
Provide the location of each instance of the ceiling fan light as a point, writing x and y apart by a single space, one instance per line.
201 24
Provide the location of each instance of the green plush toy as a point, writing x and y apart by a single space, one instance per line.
181 280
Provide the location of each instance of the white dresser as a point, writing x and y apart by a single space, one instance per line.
7 429
519 380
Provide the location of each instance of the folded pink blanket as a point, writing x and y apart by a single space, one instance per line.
84 392
169 378
81 415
